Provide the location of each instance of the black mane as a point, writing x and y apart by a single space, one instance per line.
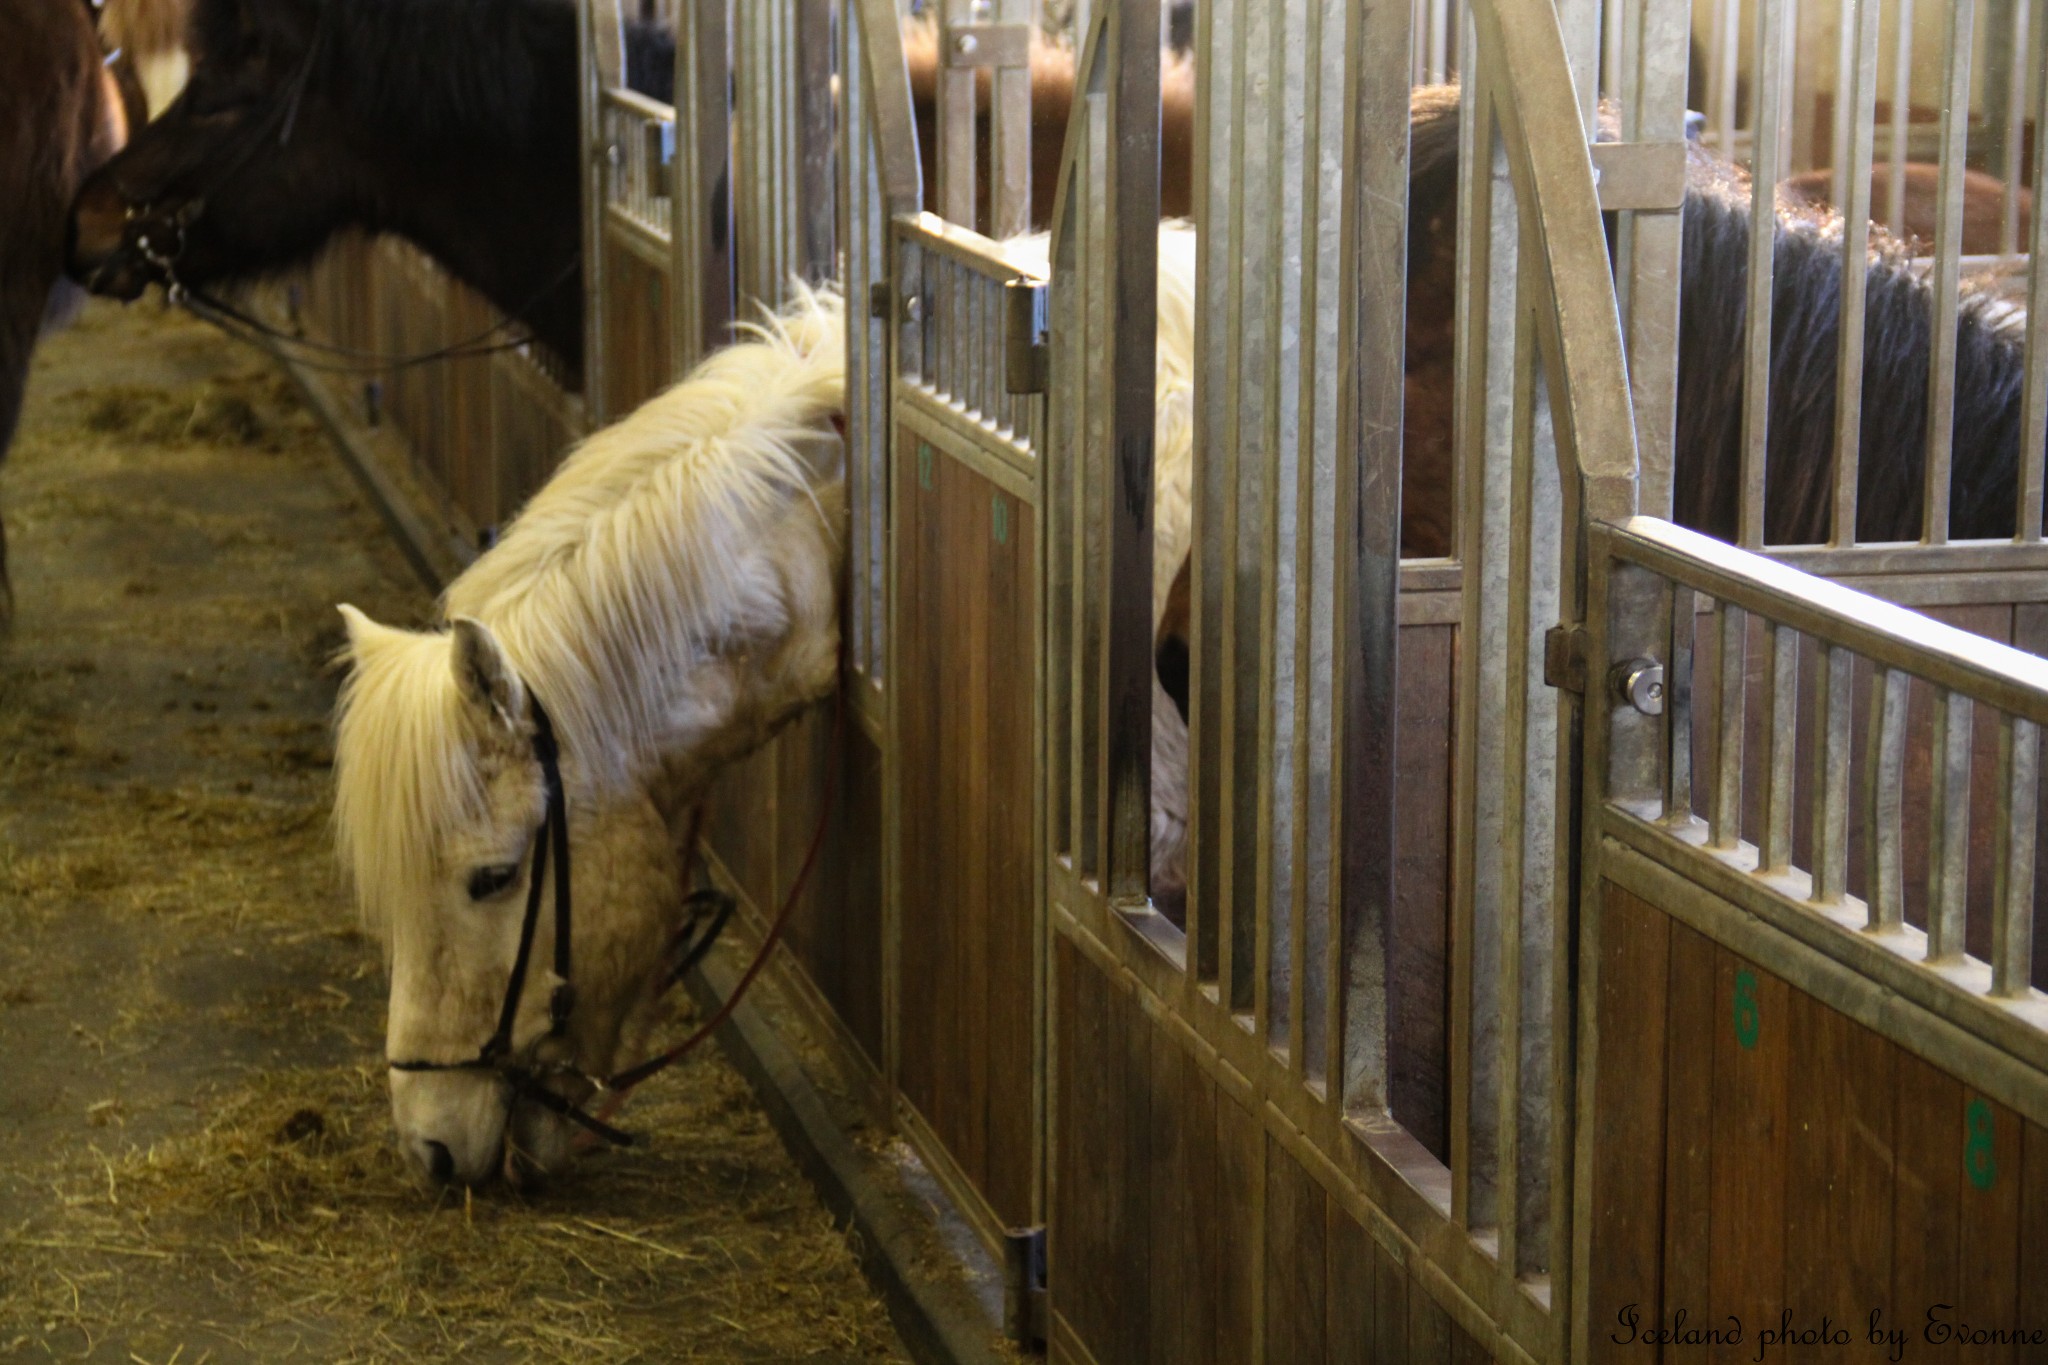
1806 295
1805 326
433 72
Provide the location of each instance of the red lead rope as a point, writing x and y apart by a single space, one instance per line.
620 1086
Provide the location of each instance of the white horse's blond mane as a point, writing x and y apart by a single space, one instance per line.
625 571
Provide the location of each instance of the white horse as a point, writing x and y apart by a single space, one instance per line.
669 600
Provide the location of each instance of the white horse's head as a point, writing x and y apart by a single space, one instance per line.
669 599
439 802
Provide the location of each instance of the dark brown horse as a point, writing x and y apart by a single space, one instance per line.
450 122
1805 326
60 115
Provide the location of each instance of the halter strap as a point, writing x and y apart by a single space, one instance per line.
553 835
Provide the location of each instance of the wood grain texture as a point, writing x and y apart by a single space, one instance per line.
1296 1259
1348 1298
1925 1188
1692 1013
1750 1142
1626 1197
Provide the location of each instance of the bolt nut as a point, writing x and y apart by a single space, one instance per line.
965 44
1640 683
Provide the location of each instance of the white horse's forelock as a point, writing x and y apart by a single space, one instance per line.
629 568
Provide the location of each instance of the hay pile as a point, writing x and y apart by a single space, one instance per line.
196 1158
292 1207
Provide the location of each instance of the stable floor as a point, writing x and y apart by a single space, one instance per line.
195 1154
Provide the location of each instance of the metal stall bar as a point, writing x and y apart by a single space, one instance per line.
701 233
2034 396
1855 122
1902 108
1363 529
1131 207
1773 75
1884 787
1948 823
1650 229
1948 250
601 36
2015 114
879 179
781 174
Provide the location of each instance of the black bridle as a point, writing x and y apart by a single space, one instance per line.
155 230
499 1054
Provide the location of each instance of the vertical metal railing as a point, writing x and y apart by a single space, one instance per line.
1105 283
602 66
879 180
701 231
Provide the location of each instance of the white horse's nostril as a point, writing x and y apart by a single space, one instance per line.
440 1164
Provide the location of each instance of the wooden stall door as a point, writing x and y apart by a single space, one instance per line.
1769 1174
965 693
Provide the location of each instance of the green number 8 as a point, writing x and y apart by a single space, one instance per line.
1748 1020
1979 1163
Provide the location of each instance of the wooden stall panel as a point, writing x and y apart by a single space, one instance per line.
1157 1248
637 361
1767 1174
967 604
835 932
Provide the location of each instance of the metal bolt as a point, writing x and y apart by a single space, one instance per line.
1640 683
913 308
965 44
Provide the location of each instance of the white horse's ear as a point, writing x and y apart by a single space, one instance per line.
485 678
362 631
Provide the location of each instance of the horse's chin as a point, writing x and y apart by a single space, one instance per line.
538 1144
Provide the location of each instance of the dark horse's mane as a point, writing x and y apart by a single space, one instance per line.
1805 325
432 71
1806 295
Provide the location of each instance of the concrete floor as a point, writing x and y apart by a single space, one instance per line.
178 965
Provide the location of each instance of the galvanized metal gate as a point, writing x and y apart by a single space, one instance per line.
1412 1077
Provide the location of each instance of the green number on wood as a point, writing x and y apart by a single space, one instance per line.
1748 1021
1002 519
1979 1162
924 466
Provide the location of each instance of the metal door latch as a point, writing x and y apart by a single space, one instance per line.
1640 683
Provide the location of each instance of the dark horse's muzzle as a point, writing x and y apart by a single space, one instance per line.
118 250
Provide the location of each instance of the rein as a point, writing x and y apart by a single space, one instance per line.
245 327
498 1054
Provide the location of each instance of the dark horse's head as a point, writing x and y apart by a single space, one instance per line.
222 183
452 122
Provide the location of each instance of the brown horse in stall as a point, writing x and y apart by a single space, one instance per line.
1052 100
61 114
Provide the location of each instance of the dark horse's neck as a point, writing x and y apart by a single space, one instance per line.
1805 325
462 116
1806 290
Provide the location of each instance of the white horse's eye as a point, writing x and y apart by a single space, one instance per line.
486 882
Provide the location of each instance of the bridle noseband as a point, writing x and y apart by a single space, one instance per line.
155 230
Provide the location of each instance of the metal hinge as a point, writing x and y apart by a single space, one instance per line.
1564 658
1026 363
1024 1286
